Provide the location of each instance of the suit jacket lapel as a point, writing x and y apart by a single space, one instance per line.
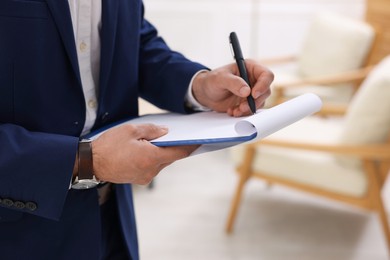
62 18
61 15
109 27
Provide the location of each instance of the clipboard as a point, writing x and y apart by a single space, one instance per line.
215 131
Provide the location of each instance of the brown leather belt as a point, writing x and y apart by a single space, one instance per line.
104 192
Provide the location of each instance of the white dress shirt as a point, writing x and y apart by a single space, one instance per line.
86 18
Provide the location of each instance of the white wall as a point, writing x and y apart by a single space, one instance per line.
266 28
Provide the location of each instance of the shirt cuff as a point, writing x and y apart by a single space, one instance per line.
190 100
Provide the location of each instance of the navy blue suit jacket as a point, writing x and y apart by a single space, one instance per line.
42 113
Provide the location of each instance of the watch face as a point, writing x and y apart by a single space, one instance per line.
85 184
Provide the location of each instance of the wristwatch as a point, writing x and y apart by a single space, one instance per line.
85 178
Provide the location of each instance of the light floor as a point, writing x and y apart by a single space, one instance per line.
183 218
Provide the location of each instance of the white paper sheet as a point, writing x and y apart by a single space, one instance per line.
215 131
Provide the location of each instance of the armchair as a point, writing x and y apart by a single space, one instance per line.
334 45
342 158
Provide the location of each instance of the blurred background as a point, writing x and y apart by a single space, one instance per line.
206 207
266 28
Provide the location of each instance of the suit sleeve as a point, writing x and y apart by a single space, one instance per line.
35 170
164 74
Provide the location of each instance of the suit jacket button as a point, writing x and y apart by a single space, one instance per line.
7 202
105 117
19 205
31 206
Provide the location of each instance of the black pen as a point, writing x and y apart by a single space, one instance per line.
237 53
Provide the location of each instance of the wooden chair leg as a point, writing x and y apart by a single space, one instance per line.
245 171
235 204
376 198
380 205
384 221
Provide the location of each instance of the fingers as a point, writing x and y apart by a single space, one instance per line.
223 90
145 131
123 155
235 85
262 79
239 87
174 153
163 157
165 154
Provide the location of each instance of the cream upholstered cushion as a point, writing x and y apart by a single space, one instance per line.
318 170
334 43
368 116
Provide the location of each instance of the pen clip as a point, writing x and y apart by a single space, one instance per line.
231 48
235 46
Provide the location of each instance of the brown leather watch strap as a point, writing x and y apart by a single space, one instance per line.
85 160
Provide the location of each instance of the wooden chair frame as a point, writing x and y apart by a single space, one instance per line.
376 164
354 77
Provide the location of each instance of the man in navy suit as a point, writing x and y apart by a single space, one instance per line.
71 66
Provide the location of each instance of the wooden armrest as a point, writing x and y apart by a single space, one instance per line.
278 60
333 109
345 77
373 151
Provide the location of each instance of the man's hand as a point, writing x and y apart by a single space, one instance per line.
223 90
124 155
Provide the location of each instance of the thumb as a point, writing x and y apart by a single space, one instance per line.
236 85
150 131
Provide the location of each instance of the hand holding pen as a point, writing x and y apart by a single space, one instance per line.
237 88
